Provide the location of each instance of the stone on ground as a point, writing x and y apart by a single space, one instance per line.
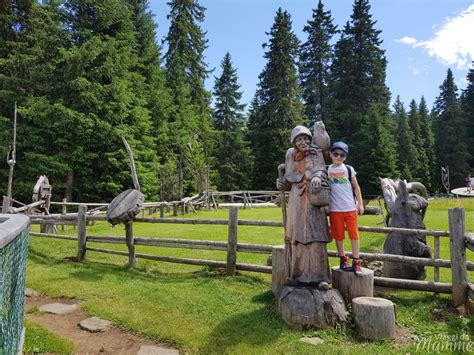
94 324
58 308
312 340
29 292
156 350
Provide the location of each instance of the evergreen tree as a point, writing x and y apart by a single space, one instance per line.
279 108
380 149
407 154
468 108
186 71
357 84
421 169
451 132
427 135
148 65
357 75
233 160
315 60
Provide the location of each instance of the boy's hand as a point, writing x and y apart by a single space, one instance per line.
360 208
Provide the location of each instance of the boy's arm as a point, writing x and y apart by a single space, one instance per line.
358 195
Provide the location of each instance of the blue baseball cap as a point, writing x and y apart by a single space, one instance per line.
340 145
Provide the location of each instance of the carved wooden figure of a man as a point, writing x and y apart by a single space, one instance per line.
306 226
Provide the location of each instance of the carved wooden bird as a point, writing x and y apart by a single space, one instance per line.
320 136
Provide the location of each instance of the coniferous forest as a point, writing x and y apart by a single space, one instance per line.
85 73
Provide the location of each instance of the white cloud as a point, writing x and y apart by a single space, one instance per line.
407 40
452 43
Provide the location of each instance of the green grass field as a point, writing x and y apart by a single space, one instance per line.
198 310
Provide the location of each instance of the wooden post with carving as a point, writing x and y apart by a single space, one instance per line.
232 242
458 256
81 232
130 244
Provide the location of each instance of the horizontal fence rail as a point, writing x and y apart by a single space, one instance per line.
460 288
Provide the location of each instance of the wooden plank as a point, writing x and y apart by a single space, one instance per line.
458 256
81 233
232 241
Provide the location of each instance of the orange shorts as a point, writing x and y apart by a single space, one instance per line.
341 221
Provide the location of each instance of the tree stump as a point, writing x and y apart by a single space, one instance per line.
374 317
351 285
305 307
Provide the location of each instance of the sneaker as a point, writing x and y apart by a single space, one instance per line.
356 266
344 263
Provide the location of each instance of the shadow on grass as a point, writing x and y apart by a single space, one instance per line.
254 329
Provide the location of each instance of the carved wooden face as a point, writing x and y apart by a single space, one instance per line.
302 142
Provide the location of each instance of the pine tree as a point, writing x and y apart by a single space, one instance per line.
427 135
233 160
468 108
421 169
407 154
100 95
186 71
357 75
450 132
279 108
315 60
380 149
156 93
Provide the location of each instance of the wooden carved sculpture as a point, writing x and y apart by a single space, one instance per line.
406 211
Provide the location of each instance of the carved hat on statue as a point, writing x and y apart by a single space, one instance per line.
299 130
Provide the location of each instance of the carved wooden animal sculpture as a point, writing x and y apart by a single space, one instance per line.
320 136
407 211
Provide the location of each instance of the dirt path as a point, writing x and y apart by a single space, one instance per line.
112 341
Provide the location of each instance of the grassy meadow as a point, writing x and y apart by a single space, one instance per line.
198 310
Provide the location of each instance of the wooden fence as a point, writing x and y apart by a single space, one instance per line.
460 287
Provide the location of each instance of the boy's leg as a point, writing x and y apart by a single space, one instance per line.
350 220
336 220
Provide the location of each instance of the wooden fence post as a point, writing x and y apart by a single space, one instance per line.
162 211
5 204
175 209
458 256
81 232
63 212
130 244
232 241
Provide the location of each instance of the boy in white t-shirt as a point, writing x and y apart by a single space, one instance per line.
346 203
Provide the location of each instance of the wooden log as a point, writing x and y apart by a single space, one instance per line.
305 307
81 232
458 256
351 285
374 317
212 263
470 241
41 221
278 268
130 244
372 210
232 241
416 285
53 236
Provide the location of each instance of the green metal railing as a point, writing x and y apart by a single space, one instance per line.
13 254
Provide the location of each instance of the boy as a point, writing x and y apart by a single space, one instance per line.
346 203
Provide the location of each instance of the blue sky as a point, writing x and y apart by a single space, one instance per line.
422 38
